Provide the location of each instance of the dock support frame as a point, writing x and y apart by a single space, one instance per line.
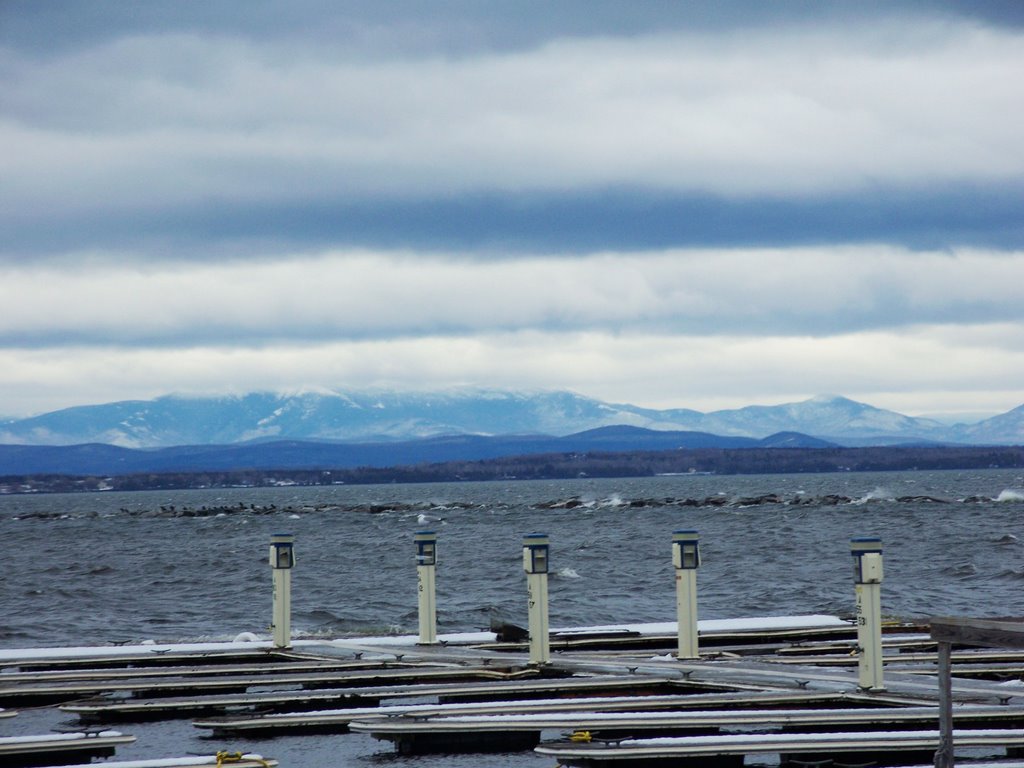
944 754
987 633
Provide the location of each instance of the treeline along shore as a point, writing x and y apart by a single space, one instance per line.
551 466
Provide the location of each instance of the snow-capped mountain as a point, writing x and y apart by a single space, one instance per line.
348 416
825 415
365 416
1004 429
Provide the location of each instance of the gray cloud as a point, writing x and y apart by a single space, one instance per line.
817 292
150 125
449 26
666 203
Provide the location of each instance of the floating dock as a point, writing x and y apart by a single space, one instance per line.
221 760
868 748
785 688
31 691
569 708
528 686
415 734
59 748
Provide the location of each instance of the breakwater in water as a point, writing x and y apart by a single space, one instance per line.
575 502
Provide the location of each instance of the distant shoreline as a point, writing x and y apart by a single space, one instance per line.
549 466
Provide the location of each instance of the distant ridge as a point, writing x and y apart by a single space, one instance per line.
102 459
377 416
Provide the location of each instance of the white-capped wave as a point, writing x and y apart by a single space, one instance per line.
568 573
1010 495
878 494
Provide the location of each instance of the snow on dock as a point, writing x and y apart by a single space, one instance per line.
259 649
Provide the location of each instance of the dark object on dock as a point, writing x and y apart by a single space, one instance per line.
507 632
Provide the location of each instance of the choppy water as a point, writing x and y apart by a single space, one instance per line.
97 568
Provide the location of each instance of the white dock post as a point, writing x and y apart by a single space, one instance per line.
282 558
686 559
426 560
535 563
867 573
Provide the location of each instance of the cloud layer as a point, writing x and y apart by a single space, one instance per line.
156 126
352 296
669 206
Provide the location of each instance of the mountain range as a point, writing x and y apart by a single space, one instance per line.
391 417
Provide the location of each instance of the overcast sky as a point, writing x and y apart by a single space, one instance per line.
671 204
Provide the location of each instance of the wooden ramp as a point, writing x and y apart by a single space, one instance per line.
59 748
879 747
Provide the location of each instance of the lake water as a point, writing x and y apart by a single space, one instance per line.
99 568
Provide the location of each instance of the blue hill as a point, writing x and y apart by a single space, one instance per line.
100 459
